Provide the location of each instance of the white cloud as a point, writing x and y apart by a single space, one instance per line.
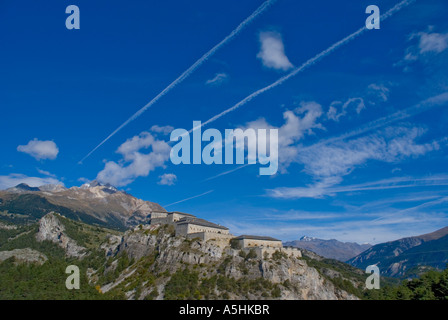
326 187
341 157
84 180
272 51
298 122
432 42
379 90
427 44
46 173
162 129
135 163
40 149
333 113
167 179
14 179
373 94
328 164
218 79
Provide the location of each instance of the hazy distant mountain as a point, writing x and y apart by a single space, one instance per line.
92 202
407 257
332 249
23 187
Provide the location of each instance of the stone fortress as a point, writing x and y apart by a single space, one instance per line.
189 226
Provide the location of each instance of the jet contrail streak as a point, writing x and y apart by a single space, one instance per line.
307 64
428 104
188 72
226 172
197 196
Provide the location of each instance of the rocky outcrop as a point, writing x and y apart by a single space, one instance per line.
7 226
210 258
24 255
111 245
51 229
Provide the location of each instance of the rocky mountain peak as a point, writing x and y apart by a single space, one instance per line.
91 184
108 188
306 238
23 187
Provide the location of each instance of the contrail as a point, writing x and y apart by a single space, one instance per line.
197 196
188 72
307 64
432 102
226 172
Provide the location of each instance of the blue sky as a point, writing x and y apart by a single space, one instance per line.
362 131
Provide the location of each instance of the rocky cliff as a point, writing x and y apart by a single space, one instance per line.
154 250
51 229
150 262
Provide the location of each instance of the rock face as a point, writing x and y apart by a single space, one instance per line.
51 229
24 255
7 226
212 258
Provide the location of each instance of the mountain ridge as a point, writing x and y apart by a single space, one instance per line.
333 249
94 203
406 257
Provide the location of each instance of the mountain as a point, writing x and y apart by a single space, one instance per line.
332 249
23 187
407 257
151 262
93 203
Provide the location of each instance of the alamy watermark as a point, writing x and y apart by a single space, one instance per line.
373 281
261 146
72 281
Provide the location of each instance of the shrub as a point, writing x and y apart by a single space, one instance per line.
235 244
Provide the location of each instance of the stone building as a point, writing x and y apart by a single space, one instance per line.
168 217
265 246
190 226
247 241
202 229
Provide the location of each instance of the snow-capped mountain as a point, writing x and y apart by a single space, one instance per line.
333 249
92 202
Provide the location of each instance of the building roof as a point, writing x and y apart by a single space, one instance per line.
200 222
181 213
250 237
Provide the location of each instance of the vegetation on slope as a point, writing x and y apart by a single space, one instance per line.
432 285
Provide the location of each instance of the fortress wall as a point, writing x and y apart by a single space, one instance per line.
210 236
290 251
260 251
193 228
182 229
159 215
246 243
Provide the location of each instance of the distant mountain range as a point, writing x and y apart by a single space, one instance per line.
93 203
106 206
332 249
407 257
